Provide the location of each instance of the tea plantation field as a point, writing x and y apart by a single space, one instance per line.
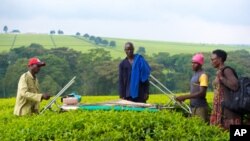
79 43
105 125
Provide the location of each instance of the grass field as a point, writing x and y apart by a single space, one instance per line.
105 125
7 41
175 47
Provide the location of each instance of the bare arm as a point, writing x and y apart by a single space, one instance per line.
229 79
201 93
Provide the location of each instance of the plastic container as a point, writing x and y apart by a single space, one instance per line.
70 101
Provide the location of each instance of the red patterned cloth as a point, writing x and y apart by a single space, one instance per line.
223 118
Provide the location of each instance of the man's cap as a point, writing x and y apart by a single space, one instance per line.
36 61
198 58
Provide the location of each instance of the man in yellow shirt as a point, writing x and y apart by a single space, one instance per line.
28 93
198 89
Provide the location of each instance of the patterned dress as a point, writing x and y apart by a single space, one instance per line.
222 116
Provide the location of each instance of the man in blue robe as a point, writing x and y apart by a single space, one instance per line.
134 72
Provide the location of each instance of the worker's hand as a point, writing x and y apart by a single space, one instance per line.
46 96
219 76
180 98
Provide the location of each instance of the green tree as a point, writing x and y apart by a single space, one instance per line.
239 60
92 38
13 74
90 73
157 72
5 28
141 50
108 73
60 32
15 31
27 52
58 69
164 59
98 40
78 34
4 65
69 55
105 42
49 85
52 32
112 43
86 35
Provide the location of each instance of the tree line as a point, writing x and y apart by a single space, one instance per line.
98 40
97 71
6 29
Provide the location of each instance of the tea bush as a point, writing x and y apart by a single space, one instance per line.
104 125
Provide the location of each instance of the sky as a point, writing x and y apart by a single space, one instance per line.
196 21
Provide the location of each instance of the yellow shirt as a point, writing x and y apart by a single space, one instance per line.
203 80
28 95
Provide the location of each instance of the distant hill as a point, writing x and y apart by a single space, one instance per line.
79 43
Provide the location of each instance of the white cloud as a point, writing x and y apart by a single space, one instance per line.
224 21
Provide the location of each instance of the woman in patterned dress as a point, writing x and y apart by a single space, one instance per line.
224 81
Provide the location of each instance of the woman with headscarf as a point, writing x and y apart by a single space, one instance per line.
198 89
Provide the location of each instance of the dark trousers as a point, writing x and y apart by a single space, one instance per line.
138 99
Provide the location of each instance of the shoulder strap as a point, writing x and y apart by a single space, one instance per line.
234 72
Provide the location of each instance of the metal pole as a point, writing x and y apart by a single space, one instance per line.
184 106
59 94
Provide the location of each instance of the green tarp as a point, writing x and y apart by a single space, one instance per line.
116 108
